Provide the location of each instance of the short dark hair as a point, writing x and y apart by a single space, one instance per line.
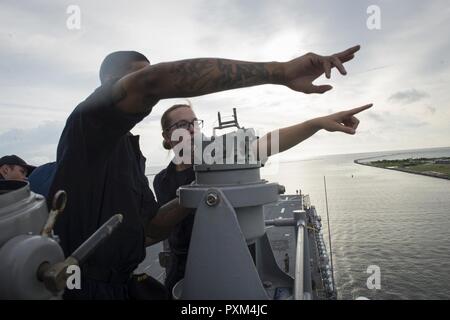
117 63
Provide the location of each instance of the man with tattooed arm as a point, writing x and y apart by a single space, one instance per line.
101 167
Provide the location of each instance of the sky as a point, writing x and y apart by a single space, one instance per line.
48 65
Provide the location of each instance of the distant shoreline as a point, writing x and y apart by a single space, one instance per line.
402 169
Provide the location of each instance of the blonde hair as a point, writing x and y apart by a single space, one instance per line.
165 120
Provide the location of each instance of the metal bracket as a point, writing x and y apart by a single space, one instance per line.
219 264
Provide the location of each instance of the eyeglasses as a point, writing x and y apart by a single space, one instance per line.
183 124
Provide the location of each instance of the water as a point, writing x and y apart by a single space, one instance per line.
396 221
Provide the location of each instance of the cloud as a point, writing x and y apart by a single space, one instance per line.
36 145
377 117
408 96
431 109
46 69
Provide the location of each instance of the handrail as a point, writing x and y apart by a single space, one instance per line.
299 261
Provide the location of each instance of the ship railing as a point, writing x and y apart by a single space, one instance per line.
299 263
302 276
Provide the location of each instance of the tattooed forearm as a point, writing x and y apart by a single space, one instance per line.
241 74
201 76
192 75
139 91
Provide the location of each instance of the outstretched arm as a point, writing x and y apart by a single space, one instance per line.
141 90
344 121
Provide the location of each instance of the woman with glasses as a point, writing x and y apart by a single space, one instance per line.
166 182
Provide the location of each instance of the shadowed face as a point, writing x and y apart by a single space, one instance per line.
137 65
181 118
133 67
181 128
14 172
